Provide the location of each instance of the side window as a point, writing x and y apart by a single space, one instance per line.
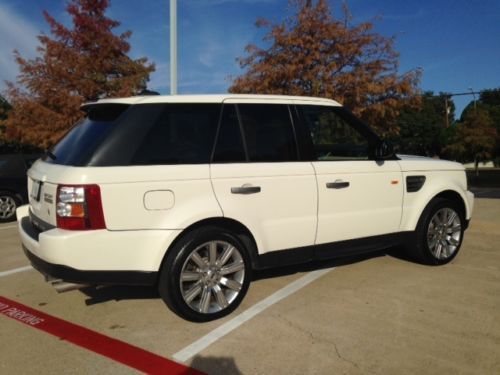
268 132
333 137
229 147
183 134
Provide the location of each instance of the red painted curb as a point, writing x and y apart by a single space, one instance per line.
117 350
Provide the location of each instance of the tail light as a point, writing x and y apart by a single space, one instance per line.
79 207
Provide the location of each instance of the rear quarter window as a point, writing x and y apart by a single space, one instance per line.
183 134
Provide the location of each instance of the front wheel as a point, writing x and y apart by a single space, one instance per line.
205 275
439 233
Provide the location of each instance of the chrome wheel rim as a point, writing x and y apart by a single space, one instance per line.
7 207
444 233
212 277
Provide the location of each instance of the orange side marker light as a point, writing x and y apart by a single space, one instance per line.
394 182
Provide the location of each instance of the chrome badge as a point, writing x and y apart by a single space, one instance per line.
48 198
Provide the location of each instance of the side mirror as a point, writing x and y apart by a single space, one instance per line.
383 150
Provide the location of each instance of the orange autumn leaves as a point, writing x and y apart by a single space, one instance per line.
309 53
75 65
313 53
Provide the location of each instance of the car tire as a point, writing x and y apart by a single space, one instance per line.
439 233
205 275
8 205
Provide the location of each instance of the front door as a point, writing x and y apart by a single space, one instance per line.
358 197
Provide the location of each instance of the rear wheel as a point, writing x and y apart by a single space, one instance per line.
439 233
8 205
205 275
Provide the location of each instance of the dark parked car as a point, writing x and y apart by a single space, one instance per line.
13 185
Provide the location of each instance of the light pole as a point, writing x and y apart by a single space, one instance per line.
173 47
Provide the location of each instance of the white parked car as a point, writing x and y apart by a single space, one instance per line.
193 193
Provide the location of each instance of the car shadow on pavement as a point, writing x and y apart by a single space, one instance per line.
314 265
100 294
215 365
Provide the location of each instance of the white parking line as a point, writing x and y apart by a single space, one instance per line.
8 227
201 344
15 270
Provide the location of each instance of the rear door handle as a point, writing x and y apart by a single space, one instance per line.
245 190
338 184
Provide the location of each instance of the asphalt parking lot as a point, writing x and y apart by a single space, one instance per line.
380 314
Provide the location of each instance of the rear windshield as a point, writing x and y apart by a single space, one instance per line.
77 147
143 134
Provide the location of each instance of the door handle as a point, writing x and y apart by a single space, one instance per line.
245 190
338 184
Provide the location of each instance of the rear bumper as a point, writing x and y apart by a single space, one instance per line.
95 256
72 275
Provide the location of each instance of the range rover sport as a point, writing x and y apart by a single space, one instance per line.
193 193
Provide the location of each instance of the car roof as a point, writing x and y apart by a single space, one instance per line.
218 98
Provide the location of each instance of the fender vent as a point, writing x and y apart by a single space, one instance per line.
414 183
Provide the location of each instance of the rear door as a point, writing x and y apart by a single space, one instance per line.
258 177
358 196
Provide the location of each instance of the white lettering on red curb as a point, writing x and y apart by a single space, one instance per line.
119 351
20 315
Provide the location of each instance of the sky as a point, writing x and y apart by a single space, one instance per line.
455 42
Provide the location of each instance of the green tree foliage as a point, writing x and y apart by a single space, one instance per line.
4 108
423 127
474 138
490 100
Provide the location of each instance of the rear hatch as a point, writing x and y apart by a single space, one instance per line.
42 193
80 147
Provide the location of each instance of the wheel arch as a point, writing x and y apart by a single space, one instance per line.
453 196
231 225
15 193
413 214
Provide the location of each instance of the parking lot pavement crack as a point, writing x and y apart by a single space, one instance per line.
316 338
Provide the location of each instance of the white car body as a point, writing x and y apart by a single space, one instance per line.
147 207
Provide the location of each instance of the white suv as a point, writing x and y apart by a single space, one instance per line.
192 193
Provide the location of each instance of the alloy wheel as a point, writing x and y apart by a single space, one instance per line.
444 233
7 207
212 276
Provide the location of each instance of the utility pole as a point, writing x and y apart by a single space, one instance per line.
446 110
474 96
173 47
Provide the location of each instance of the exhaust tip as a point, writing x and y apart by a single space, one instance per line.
62 286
